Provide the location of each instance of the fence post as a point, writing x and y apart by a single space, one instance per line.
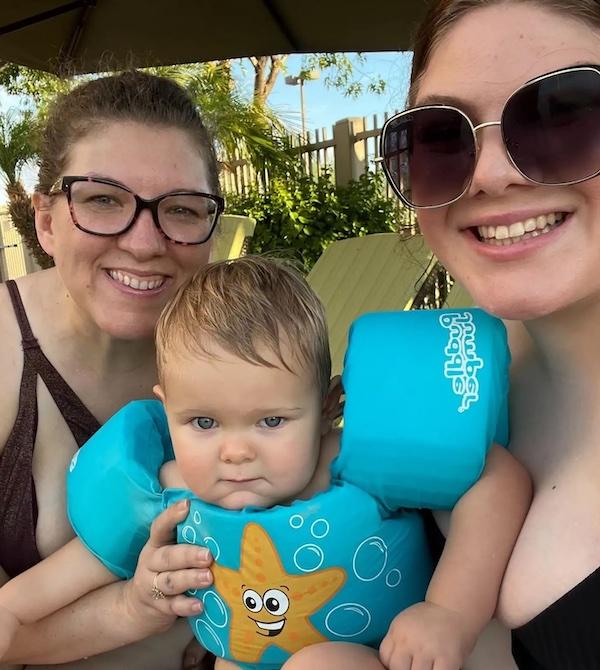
349 154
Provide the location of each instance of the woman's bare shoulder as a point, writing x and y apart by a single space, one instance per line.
11 351
11 364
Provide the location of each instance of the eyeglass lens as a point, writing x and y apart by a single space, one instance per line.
107 209
551 129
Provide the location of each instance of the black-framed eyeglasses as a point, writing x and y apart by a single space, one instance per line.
105 207
550 128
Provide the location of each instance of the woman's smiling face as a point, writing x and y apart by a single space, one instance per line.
482 59
121 283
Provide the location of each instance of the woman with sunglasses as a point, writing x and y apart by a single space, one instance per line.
500 155
127 202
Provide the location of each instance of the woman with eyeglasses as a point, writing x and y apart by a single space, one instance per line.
127 202
499 153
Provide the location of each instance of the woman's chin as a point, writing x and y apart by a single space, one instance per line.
128 329
518 305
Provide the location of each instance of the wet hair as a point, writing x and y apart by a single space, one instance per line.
442 14
241 305
131 96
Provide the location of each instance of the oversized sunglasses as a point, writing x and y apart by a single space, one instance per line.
550 127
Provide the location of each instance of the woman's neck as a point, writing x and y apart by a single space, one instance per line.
89 347
566 347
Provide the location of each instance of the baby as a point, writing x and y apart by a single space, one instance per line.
244 377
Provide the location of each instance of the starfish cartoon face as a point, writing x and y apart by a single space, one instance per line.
268 605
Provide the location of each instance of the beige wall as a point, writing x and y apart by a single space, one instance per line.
15 259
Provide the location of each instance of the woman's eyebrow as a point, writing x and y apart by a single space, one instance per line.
451 101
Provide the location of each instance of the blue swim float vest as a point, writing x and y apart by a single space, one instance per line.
426 396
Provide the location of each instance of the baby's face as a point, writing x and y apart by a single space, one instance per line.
243 434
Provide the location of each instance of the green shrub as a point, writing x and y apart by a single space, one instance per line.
301 215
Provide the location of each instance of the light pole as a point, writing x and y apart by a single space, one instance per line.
298 80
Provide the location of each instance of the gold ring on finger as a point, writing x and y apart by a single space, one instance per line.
157 594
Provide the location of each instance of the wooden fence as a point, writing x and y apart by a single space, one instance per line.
348 149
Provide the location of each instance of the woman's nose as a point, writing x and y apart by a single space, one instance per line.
494 171
143 240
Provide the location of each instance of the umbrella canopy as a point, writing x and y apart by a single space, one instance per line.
92 35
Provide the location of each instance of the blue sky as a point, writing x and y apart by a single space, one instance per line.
326 106
323 106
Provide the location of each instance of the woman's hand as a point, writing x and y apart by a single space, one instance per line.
154 597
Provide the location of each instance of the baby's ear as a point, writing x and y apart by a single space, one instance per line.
333 404
158 392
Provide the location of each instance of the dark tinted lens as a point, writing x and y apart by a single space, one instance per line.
429 155
552 127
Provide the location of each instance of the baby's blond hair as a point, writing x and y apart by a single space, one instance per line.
243 304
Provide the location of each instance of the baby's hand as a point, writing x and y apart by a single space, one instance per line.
427 636
8 629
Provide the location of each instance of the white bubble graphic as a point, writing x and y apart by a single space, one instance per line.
319 528
296 521
209 638
393 578
192 592
370 559
213 547
348 620
188 534
73 462
197 518
308 557
214 609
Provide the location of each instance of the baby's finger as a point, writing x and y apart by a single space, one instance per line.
172 583
385 650
422 663
448 663
400 661
184 606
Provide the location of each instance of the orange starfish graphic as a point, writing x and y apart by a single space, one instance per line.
268 605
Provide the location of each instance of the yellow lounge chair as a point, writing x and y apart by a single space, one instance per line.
367 274
231 236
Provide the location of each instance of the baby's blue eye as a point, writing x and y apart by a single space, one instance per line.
203 422
272 421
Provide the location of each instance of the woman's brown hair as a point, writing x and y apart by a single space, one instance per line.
442 14
130 96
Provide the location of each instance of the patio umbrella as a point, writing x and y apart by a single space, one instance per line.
90 35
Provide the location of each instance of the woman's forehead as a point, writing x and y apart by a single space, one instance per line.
491 51
143 157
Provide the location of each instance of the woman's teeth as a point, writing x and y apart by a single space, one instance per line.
502 236
133 282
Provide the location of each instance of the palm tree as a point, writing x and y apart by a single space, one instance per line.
17 149
242 129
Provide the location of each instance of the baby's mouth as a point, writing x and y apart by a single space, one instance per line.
503 236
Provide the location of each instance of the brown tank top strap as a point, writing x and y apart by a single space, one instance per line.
18 500
27 337
81 422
